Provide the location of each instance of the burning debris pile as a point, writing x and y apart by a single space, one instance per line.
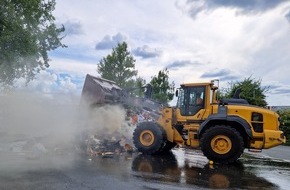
113 116
110 128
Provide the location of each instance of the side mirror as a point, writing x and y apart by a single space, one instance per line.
176 93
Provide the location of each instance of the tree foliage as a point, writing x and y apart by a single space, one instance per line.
119 66
139 84
27 34
251 90
285 123
136 87
162 90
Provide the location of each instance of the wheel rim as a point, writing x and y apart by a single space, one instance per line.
221 144
147 138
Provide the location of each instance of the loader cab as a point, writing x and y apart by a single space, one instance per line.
191 99
194 97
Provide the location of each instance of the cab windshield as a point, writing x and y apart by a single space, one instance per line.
191 100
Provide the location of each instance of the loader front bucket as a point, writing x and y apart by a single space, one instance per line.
98 91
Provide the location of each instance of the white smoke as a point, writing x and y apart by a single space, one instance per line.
109 122
28 116
58 121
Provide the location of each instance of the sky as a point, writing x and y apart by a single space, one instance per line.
196 40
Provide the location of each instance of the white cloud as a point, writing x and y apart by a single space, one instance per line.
195 7
146 52
73 27
75 67
53 83
44 82
108 42
66 85
239 38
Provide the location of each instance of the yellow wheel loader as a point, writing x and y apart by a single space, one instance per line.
221 129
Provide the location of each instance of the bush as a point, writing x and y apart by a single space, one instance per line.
285 123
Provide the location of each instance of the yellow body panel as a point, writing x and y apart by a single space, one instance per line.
166 122
273 138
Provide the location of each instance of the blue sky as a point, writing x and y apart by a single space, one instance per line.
196 40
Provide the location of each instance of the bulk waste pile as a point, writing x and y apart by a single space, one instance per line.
112 115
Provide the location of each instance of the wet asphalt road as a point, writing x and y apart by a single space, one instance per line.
279 152
183 169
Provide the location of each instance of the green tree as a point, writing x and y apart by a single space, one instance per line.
162 90
139 84
119 66
27 34
251 90
285 123
136 87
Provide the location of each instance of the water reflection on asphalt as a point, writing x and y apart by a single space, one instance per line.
189 168
181 169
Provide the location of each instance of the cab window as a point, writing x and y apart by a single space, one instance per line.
191 100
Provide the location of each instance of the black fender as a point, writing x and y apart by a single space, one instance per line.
216 119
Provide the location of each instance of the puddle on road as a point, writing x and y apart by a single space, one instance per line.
276 171
189 168
182 169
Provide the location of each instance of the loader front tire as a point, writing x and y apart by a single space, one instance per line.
222 144
148 138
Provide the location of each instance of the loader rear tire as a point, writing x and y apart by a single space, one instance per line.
222 144
148 138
